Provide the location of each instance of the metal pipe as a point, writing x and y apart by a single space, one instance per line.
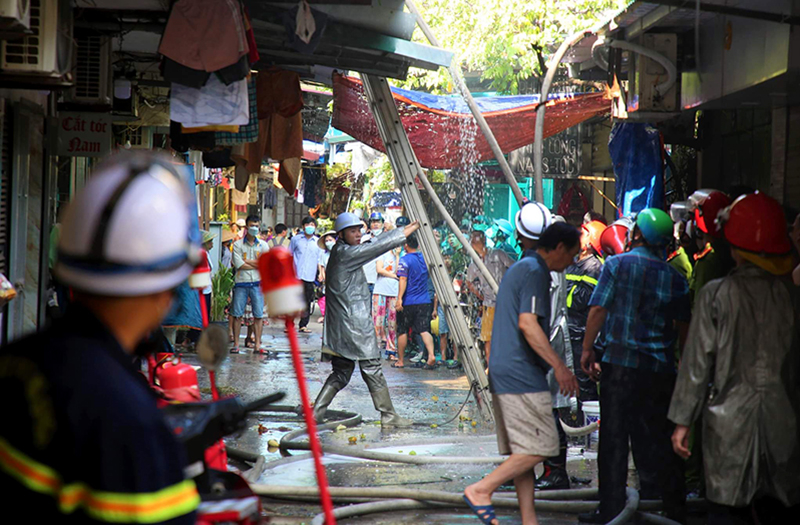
538 151
458 81
672 71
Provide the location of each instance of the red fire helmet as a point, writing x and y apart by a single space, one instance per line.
615 236
708 207
756 223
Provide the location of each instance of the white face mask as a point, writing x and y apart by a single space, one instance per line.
377 232
330 244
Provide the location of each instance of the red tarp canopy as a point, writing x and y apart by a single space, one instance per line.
444 133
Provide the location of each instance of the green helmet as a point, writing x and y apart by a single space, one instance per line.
655 225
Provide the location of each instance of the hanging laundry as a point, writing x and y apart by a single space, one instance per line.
215 128
219 158
280 126
252 56
311 177
298 29
278 91
181 142
214 103
206 35
178 73
249 132
289 174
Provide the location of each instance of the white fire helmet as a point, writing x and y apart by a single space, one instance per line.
532 220
132 230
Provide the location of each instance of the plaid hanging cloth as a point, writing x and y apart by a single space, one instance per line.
247 132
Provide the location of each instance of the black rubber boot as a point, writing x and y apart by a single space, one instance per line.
555 475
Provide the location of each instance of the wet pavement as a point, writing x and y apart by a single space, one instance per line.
428 397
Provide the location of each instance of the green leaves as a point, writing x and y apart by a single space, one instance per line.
496 37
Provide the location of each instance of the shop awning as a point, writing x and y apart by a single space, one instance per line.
442 130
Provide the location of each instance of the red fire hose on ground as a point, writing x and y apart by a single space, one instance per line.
283 294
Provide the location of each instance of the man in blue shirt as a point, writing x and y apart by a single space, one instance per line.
642 301
414 303
306 260
520 358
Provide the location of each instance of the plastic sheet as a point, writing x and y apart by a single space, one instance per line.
636 153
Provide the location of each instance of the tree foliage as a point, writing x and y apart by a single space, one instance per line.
499 38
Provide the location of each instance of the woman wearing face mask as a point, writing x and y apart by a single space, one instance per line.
325 243
384 298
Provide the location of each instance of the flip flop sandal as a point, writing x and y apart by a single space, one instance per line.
429 367
235 350
419 364
304 330
485 513
395 365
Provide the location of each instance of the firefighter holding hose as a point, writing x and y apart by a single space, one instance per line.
349 336
83 440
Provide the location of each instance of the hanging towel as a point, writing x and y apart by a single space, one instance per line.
205 35
214 103
249 132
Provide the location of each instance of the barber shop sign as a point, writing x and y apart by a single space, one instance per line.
84 134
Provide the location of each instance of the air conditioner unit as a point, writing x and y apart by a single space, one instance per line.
93 74
646 74
48 49
15 18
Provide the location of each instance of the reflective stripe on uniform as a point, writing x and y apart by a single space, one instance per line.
580 279
146 507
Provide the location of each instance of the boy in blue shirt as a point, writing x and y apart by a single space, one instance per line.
414 309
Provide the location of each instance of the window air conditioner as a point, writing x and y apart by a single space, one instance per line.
48 49
15 18
93 74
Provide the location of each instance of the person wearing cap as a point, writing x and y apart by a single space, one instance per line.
247 283
83 440
306 263
644 304
226 258
349 332
325 244
739 372
520 358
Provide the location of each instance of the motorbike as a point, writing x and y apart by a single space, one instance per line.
225 496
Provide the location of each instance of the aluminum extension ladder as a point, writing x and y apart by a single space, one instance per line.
406 169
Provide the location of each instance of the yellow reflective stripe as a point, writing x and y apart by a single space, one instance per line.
149 507
33 475
569 296
582 278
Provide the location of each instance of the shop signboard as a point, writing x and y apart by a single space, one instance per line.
84 134
562 157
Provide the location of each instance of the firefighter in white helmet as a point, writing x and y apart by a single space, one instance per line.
83 439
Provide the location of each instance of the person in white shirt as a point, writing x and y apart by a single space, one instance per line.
247 282
326 244
384 297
